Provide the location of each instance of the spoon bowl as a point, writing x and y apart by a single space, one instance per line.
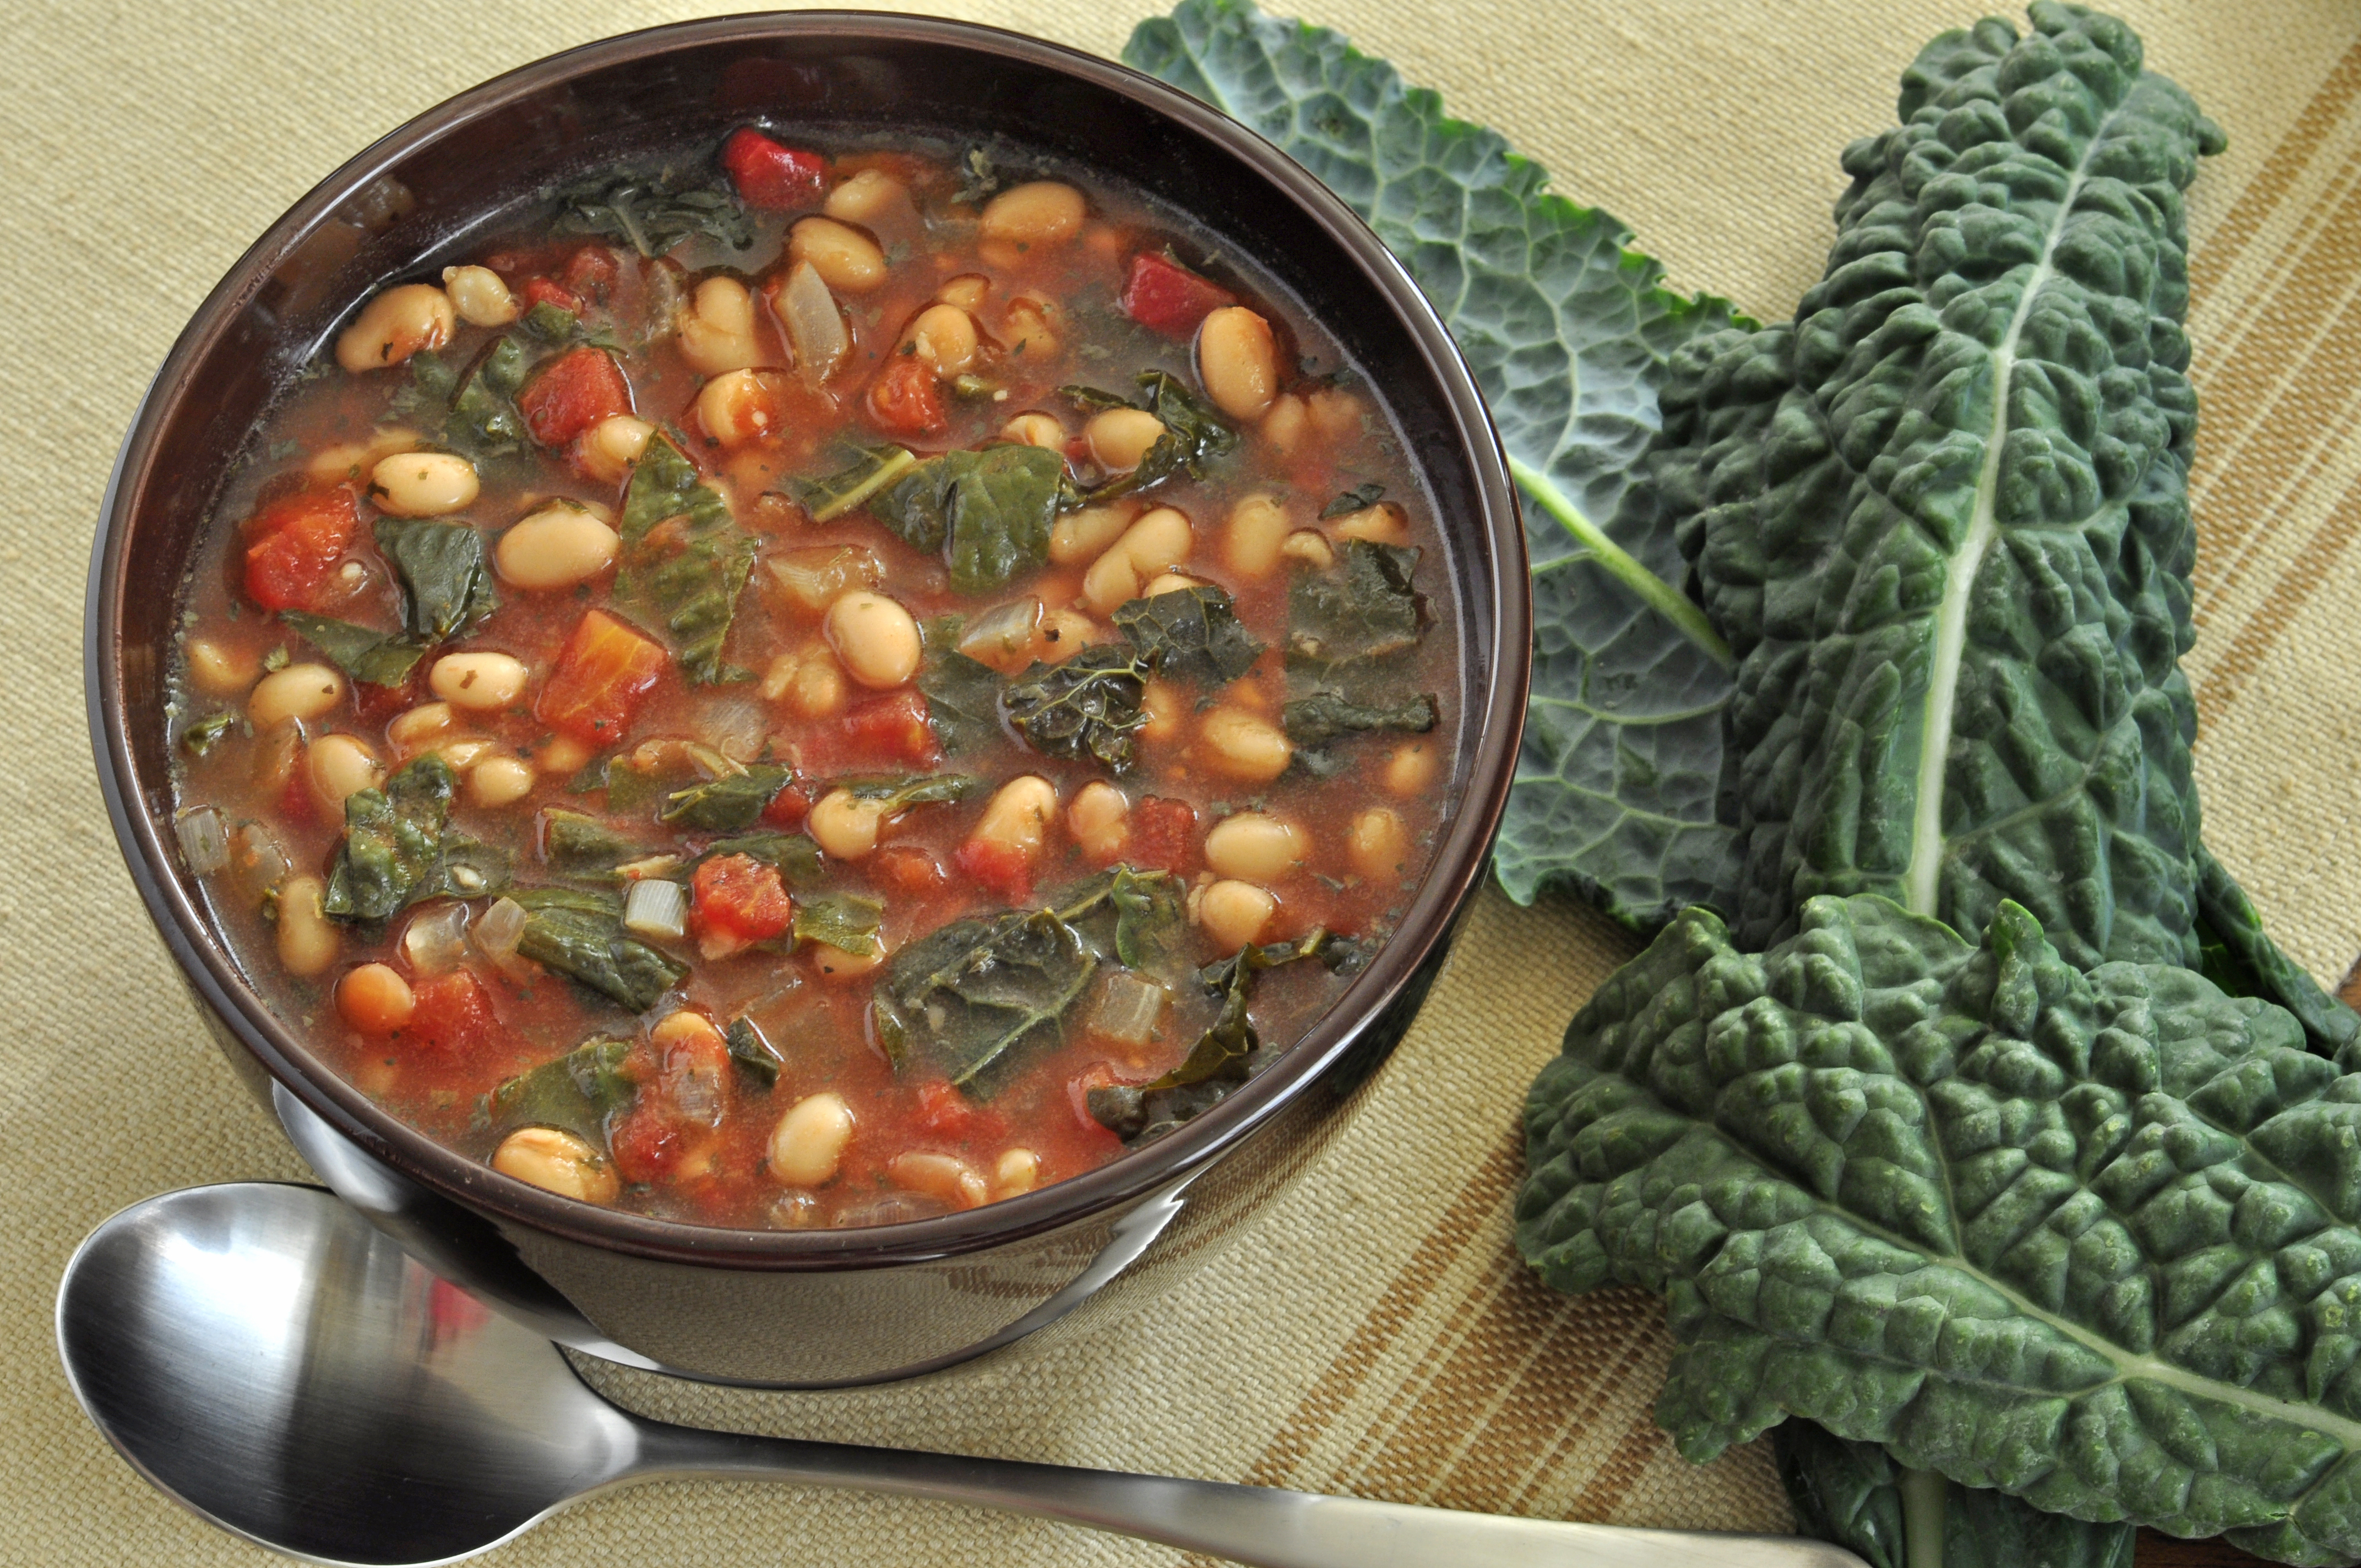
270 1359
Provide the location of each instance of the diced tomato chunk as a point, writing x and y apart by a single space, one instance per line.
906 869
1161 831
1000 869
451 1018
788 808
546 292
906 399
646 1146
590 272
943 1111
1164 296
773 175
572 392
609 665
740 897
890 727
296 540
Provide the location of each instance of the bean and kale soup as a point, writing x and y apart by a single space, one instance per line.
837 688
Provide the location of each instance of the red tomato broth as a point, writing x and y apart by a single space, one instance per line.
819 1022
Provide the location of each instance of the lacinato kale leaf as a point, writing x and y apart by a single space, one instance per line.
1323 716
1569 333
988 513
2083 1238
377 658
962 700
1856 1496
794 855
580 845
1363 607
726 805
1193 433
684 560
968 998
1085 709
580 935
578 1092
1194 633
654 212
446 574
842 920
753 1052
865 470
397 848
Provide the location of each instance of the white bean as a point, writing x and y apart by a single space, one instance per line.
1018 816
1377 845
942 1176
1234 913
557 1162
1042 212
1254 846
808 1143
1239 745
1384 524
499 781
737 406
846 260
307 942
1036 430
875 637
338 766
808 680
716 331
479 296
1016 1171
219 671
1410 772
480 683
865 198
1085 533
556 547
1238 361
944 336
844 825
395 325
1100 820
299 691
1257 526
1119 438
609 448
414 730
422 484
1283 426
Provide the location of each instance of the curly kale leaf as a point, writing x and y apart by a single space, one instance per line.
2090 1239
1323 716
683 559
445 574
1568 333
969 998
962 698
1194 633
654 212
1085 709
989 512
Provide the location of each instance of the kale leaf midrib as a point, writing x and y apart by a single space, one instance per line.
1922 878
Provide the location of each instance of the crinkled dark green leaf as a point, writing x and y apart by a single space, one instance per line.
1085 709
989 512
962 698
861 473
792 855
1195 435
967 999
581 936
655 211
393 852
446 574
1194 633
725 805
1569 333
683 559
751 1051
578 844
578 1092
206 733
1323 716
376 658
843 920
2093 1240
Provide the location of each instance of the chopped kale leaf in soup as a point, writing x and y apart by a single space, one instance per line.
819 693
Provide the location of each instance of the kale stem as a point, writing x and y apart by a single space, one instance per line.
1654 591
1925 1493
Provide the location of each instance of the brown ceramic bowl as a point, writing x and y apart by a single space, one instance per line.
794 1308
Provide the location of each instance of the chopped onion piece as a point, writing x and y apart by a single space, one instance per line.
815 327
1128 1008
1001 637
498 933
653 866
204 843
436 941
656 908
255 863
733 725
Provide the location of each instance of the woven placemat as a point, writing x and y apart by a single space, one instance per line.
1371 1332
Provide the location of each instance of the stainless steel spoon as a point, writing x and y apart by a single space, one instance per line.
267 1357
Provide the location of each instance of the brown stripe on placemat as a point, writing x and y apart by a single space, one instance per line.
1643 1441
2239 227
2287 380
1458 1227
2227 677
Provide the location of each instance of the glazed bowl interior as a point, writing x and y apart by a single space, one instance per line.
416 198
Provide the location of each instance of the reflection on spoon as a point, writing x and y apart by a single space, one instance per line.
266 1356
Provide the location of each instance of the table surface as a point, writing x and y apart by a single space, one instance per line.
1371 1332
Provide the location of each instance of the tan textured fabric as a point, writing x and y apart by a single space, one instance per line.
1371 1332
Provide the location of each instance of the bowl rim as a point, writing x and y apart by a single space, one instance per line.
1496 535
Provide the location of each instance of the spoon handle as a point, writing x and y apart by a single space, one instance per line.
1258 1525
